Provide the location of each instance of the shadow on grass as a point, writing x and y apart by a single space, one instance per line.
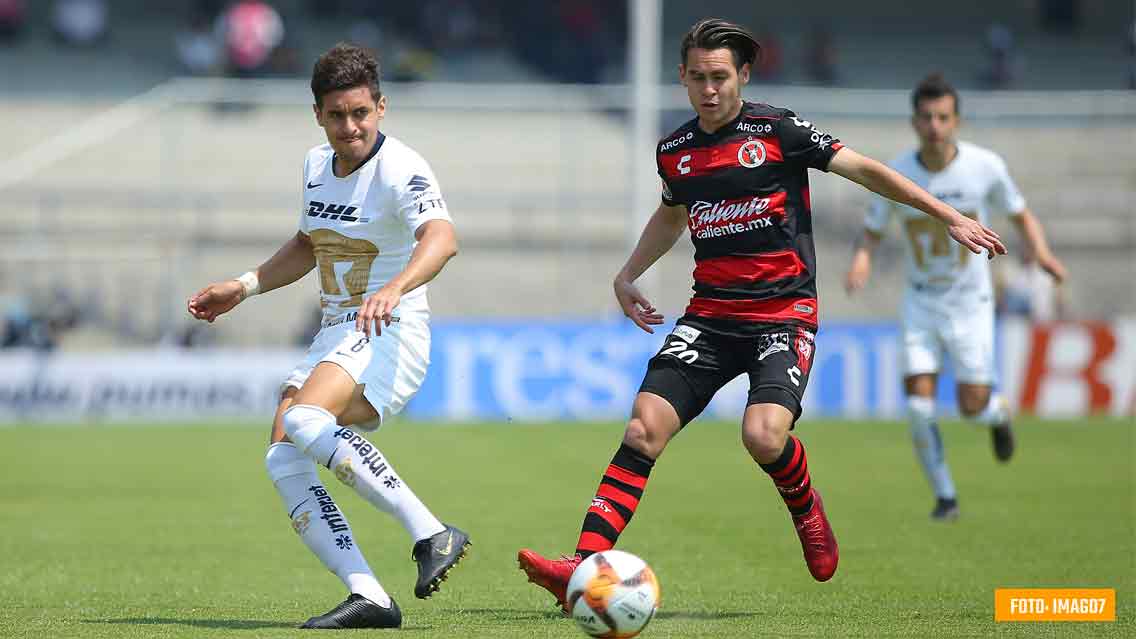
231 624
228 624
705 616
514 614
518 614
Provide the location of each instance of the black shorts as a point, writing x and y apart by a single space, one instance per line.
694 363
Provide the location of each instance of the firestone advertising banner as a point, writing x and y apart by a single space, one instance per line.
537 371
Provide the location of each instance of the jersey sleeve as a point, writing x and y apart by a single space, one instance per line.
303 226
879 214
1004 194
667 194
804 144
420 198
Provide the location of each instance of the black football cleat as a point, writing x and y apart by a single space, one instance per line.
945 510
357 612
1002 438
436 556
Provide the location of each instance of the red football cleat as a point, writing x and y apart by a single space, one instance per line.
817 540
550 574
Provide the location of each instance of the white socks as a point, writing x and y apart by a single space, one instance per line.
929 445
319 522
997 411
358 464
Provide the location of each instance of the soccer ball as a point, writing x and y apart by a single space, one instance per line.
613 594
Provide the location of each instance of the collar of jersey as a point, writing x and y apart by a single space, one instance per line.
726 128
370 156
919 161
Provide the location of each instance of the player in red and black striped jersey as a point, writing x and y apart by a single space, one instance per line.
736 177
745 188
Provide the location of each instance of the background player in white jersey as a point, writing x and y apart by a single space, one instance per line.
948 304
374 224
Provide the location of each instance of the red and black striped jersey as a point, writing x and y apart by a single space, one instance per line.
746 190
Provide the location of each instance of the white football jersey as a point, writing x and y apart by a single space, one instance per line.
362 226
976 183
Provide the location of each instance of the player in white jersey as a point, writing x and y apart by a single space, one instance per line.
948 304
374 224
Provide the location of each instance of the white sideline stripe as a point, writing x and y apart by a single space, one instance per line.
87 134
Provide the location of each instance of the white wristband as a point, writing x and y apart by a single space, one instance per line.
250 283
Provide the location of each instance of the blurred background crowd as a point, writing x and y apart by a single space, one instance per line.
115 220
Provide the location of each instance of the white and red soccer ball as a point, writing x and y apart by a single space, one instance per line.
613 594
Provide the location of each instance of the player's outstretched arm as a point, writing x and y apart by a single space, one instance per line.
881 179
1034 235
660 234
861 268
437 243
291 262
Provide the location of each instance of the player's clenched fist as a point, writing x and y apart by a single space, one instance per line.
376 310
216 299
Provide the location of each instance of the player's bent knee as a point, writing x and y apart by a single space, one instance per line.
640 436
285 460
972 407
764 440
303 423
920 410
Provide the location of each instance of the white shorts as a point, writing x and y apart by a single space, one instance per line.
391 366
962 325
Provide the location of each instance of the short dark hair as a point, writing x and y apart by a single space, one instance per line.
716 33
345 66
933 87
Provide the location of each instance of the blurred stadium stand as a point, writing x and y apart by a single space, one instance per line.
878 44
131 206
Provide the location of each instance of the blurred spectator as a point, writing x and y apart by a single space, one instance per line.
195 335
1060 16
1132 57
366 32
80 23
770 58
821 59
453 25
1023 289
572 41
586 51
411 63
250 31
1003 60
198 50
40 329
13 16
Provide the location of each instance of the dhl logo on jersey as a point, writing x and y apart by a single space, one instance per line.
332 211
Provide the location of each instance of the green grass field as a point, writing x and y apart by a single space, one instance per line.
175 531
